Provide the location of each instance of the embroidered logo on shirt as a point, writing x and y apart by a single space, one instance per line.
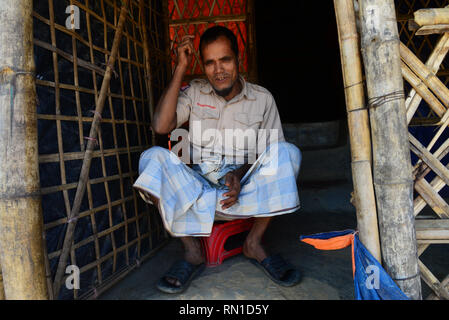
205 105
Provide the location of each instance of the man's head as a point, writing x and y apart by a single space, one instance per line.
219 53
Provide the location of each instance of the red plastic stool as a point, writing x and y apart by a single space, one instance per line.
214 245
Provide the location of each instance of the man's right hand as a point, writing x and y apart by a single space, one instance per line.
185 51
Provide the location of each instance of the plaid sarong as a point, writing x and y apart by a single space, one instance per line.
189 198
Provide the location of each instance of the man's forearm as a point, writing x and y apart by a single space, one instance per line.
164 119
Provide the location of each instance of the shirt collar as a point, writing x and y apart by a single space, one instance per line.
206 88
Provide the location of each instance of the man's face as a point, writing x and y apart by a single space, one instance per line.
220 66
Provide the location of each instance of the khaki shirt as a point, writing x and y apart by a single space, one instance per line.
220 128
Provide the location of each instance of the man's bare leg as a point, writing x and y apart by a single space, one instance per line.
252 248
193 252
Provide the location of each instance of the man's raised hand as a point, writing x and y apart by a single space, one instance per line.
185 51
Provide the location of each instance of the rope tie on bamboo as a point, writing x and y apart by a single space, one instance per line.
354 84
376 102
95 112
95 293
107 64
72 219
12 73
92 139
406 278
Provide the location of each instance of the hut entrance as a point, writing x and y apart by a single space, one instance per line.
100 67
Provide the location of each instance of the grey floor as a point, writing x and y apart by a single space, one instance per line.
327 275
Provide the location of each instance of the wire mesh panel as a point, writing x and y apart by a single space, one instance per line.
115 230
193 17
424 68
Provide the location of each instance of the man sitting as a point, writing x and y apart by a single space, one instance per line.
239 165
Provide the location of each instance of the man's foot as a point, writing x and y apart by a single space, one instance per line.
278 270
253 249
183 272
193 254
274 266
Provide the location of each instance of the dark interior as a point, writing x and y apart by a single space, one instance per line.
298 59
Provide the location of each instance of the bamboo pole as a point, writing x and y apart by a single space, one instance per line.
358 123
84 175
21 222
433 16
148 77
393 180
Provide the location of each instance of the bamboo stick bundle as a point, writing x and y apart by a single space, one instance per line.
21 222
391 156
432 16
425 74
358 122
84 175
422 90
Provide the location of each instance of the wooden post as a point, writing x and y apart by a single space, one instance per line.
358 124
21 221
393 180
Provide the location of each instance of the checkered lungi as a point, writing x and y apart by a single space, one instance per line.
189 198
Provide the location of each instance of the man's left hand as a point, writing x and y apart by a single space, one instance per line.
232 181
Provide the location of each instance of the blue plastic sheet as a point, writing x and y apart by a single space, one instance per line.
371 281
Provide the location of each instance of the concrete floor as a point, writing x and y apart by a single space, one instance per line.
327 275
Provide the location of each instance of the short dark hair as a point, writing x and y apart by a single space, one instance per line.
213 33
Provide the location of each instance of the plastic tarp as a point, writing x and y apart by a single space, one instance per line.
371 281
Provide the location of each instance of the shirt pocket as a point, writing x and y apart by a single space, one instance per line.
203 117
249 123
247 120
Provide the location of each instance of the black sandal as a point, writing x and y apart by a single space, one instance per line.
182 271
278 270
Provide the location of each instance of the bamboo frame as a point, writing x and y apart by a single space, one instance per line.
88 154
130 76
358 123
428 232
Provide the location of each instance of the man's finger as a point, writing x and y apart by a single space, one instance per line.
232 193
190 36
228 202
